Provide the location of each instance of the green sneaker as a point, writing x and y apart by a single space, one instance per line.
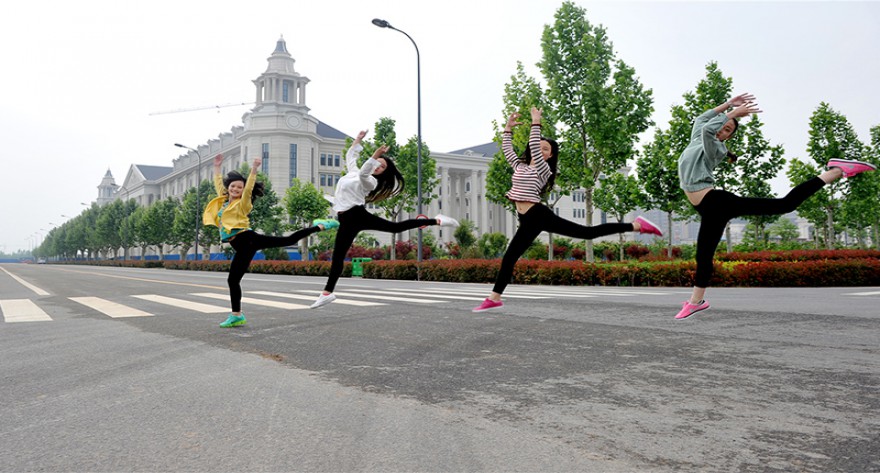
234 321
328 223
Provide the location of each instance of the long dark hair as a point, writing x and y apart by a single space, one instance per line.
233 176
390 183
552 161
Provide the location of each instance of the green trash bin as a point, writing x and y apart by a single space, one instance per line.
357 267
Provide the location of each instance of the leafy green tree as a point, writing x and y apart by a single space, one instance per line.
832 137
492 245
618 195
128 232
304 203
658 176
861 208
784 229
758 163
188 216
156 225
464 234
813 209
598 99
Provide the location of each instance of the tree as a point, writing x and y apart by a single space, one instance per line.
304 203
784 229
597 98
814 208
492 245
618 195
155 227
464 234
860 209
658 176
832 137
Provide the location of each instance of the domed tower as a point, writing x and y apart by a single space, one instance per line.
107 189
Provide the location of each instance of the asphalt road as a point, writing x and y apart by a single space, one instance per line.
110 369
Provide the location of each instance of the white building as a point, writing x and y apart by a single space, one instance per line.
295 144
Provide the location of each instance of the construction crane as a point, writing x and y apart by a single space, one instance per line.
209 107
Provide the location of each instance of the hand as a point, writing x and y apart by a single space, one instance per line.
218 160
380 151
746 109
256 165
536 116
360 136
512 121
741 99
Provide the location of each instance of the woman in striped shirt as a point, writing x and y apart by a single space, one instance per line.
533 176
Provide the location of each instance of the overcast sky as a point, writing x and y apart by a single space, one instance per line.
81 79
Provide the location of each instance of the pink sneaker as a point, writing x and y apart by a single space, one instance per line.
688 309
850 167
648 226
487 304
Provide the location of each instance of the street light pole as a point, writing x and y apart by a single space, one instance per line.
198 185
385 24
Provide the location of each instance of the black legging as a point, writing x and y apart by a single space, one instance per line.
356 220
540 218
718 207
246 244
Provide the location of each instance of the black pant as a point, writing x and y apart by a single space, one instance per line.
540 218
356 220
718 207
246 244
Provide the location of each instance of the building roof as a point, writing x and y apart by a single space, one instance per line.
154 173
328 131
488 150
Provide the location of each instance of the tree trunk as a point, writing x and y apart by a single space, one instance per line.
669 236
620 239
588 198
549 246
727 234
829 228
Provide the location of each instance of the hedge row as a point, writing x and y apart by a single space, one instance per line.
798 255
297 268
816 273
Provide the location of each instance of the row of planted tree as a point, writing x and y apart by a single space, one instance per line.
599 114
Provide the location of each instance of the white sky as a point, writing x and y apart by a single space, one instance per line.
80 79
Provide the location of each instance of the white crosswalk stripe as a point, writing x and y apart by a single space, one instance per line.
22 310
184 304
251 300
468 292
110 308
375 296
433 294
312 298
872 293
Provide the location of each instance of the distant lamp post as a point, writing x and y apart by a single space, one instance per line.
385 24
198 184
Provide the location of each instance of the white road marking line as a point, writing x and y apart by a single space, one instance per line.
312 298
184 304
412 291
473 292
26 284
873 293
22 310
251 300
110 308
384 298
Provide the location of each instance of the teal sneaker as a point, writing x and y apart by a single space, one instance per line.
327 223
234 321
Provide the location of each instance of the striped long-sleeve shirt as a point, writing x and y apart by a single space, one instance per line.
527 180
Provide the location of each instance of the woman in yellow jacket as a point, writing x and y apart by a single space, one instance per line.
229 212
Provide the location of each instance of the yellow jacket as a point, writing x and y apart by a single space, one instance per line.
236 213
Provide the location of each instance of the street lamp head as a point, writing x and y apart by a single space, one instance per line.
382 23
179 145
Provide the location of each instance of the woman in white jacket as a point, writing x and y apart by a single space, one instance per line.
376 180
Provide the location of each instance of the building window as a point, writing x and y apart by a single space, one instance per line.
323 180
292 162
337 160
285 91
265 168
323 159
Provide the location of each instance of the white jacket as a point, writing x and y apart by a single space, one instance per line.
353 188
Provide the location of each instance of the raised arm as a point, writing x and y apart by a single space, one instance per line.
538 161
354 151
218 175
507 139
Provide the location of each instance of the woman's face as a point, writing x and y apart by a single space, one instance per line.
726 130
546 150
235 189
383 164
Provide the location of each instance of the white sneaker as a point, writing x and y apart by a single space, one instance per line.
323 300
447 221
